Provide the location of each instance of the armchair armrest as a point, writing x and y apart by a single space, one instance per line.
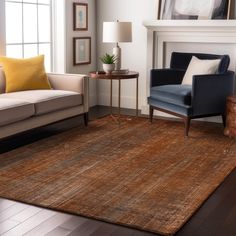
209 92
71 82
166 76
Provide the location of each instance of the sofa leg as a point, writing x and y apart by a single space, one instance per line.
150 113
187 121
224 119
86 119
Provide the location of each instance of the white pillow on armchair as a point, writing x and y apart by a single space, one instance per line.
200 67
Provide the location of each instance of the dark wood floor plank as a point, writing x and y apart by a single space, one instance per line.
31 223
104 229
73 223
86 229
111 229
59 232
229 225
48 225
142 233
123 231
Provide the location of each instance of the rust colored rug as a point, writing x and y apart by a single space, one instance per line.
140 175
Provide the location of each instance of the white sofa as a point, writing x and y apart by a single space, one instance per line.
25 110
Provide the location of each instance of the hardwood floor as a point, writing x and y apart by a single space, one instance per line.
22 219
216 217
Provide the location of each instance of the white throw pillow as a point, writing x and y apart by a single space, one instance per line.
200 67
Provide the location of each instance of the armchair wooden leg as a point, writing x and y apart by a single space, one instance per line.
187 121
224 119
86 119
150 113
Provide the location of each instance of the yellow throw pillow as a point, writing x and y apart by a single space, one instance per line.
24 74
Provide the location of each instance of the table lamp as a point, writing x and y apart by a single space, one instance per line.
117 32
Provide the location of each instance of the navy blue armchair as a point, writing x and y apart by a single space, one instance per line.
205 97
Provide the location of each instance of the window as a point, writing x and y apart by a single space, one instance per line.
28 29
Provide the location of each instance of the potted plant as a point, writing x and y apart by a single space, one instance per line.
108 62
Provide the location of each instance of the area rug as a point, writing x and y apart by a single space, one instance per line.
141 175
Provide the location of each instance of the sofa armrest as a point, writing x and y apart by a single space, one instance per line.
71 82
166 76
209 92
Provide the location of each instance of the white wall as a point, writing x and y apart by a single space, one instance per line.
70 33
59 38
133 54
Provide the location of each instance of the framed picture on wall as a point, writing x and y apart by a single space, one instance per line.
80 16
82 50
192 9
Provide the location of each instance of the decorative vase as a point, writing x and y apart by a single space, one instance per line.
108 68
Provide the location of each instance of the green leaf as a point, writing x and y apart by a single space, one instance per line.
108 59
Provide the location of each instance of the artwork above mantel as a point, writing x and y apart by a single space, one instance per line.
197 10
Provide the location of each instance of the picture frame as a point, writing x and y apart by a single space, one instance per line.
194 10
80 16
81 50
158 4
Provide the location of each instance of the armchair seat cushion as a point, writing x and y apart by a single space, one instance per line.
46 101
174 94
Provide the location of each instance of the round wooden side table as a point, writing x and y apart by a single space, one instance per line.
100 75
230 129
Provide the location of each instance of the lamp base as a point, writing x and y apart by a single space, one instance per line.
117 53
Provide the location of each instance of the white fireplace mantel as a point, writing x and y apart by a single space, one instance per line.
187 31
160 32
190 25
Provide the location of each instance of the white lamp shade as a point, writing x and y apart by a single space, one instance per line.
115 32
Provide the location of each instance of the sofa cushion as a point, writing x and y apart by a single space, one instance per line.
12 110
174 94
24 74
46 101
